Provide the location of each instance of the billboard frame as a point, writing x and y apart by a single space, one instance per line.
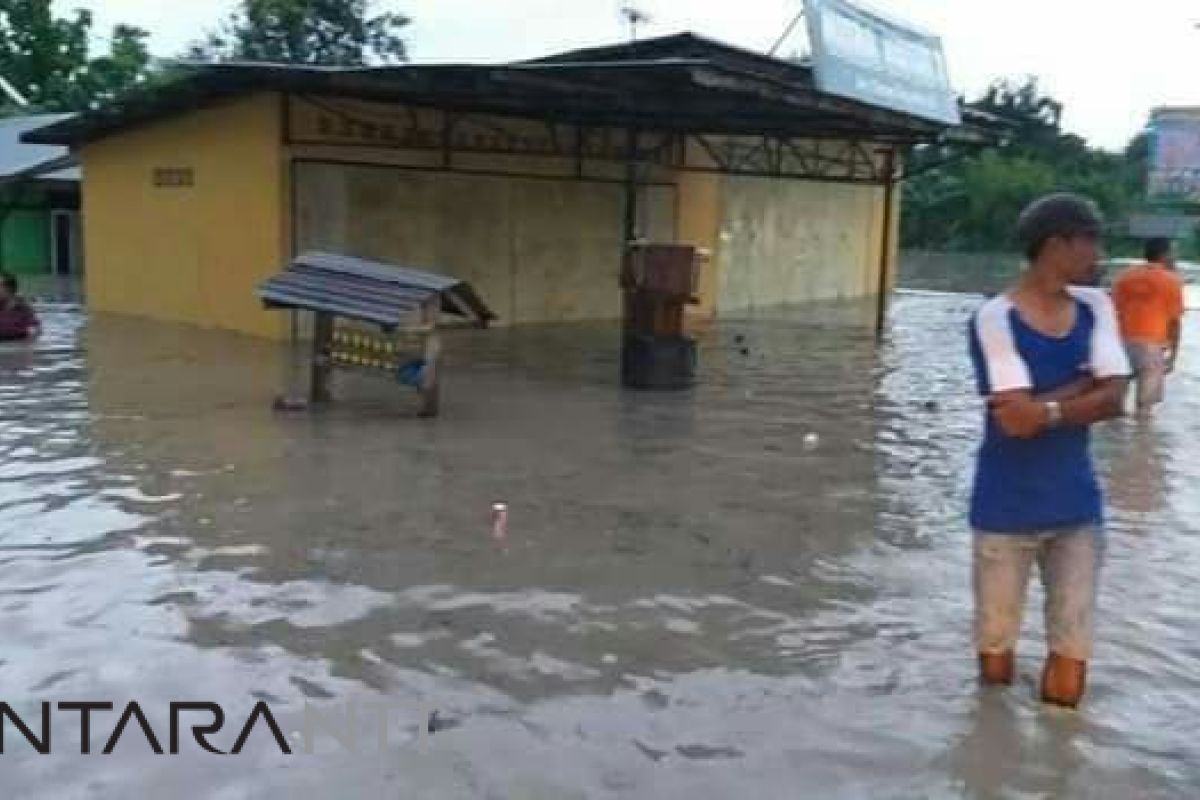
863 55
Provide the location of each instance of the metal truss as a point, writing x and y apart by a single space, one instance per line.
848 161
824 159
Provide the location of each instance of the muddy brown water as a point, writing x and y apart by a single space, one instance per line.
696 599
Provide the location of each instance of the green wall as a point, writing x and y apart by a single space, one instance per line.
25 241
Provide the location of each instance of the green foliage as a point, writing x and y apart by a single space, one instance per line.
322 32
48 58
971 202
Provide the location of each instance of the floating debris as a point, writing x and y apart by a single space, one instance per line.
499 521
699 752
439 724
650 753
289 404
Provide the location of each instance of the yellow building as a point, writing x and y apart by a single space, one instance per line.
525 180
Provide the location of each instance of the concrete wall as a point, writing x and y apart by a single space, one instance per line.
797 241
536 249
700 226
538 230
191 253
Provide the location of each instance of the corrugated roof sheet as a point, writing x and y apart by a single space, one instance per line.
367 291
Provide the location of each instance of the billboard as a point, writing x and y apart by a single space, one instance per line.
1175 155
863 55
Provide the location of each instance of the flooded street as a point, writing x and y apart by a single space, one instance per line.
697 598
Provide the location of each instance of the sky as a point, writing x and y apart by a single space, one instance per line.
1108 63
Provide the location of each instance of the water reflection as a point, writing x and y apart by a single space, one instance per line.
1138 477
757 582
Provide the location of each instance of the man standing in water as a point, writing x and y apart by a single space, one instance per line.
17 319
1149 300
1048 357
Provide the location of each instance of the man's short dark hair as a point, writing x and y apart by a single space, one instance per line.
1062 215
10 281
1157 249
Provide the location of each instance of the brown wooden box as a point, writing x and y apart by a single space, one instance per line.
671 270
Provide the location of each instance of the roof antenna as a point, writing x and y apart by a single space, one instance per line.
786 33
635 17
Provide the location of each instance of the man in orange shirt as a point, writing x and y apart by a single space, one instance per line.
1149 301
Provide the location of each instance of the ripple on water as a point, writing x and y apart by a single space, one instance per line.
694 599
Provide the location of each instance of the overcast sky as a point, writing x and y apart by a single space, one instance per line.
1110 63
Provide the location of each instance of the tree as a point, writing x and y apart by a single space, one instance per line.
48 59
318 32
1035 118
971 202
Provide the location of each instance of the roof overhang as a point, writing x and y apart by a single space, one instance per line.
58 173
682 84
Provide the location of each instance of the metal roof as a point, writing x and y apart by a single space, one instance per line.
682 83
685 46
59 172
21 159
367 291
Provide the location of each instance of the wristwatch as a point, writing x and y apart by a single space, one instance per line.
1054 415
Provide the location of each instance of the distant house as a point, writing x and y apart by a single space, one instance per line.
39 202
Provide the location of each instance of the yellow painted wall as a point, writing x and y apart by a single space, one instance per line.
797 241
191 254
536 250
700 226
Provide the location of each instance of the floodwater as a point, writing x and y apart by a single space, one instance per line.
696 598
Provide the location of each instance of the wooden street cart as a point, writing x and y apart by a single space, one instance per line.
366 315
